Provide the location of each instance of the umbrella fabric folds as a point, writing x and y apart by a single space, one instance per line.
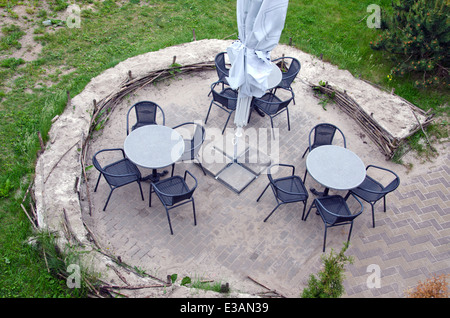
260 23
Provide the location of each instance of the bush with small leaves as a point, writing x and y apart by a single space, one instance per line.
417 35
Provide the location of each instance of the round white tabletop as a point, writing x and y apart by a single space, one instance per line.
274 77
154 146
335 167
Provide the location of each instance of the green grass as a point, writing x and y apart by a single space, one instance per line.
10 39
32 93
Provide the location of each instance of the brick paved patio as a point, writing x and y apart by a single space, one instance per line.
230 242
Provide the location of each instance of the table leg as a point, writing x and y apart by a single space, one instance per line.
260 113
319 193
155 176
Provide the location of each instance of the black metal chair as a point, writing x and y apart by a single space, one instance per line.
289 71
334 211
371 190
222 70
323 135
194 136
271 105
287 189
225 99
146 112
117 173
174 192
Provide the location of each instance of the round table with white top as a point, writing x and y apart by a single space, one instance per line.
335 167
154 147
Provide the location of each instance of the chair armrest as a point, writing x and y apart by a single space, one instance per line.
280 165
110 149
192 176
381 168
395 182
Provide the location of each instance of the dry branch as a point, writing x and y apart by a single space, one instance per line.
387 143
269 290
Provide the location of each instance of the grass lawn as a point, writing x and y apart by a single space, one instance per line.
33 92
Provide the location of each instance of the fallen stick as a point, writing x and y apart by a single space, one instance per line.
54 166
133 287
269 289
28 216
118 274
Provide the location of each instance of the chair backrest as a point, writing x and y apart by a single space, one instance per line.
335 204
146 112
222 70
117 171
323 135
181 197
116 153
289 73
227 97
179 191
195 140
271 104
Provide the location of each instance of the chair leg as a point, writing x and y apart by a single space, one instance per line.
200 164
305 152
350 232
347 195
140 188
107 200
373 215
173 168
226 123
170 224
207 115
304 177
289 124
384 201
309 210
324 239
272 212
98 180
304 208
263 192
193 207
271 124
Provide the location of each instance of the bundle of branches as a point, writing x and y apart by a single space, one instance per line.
106 105
382 138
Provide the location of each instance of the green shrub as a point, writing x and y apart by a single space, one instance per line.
417 36
328 283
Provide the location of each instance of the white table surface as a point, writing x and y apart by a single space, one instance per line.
274 77
335 167
154 146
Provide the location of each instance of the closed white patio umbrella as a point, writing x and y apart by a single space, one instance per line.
260 23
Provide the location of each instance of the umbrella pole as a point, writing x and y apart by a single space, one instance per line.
237 135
